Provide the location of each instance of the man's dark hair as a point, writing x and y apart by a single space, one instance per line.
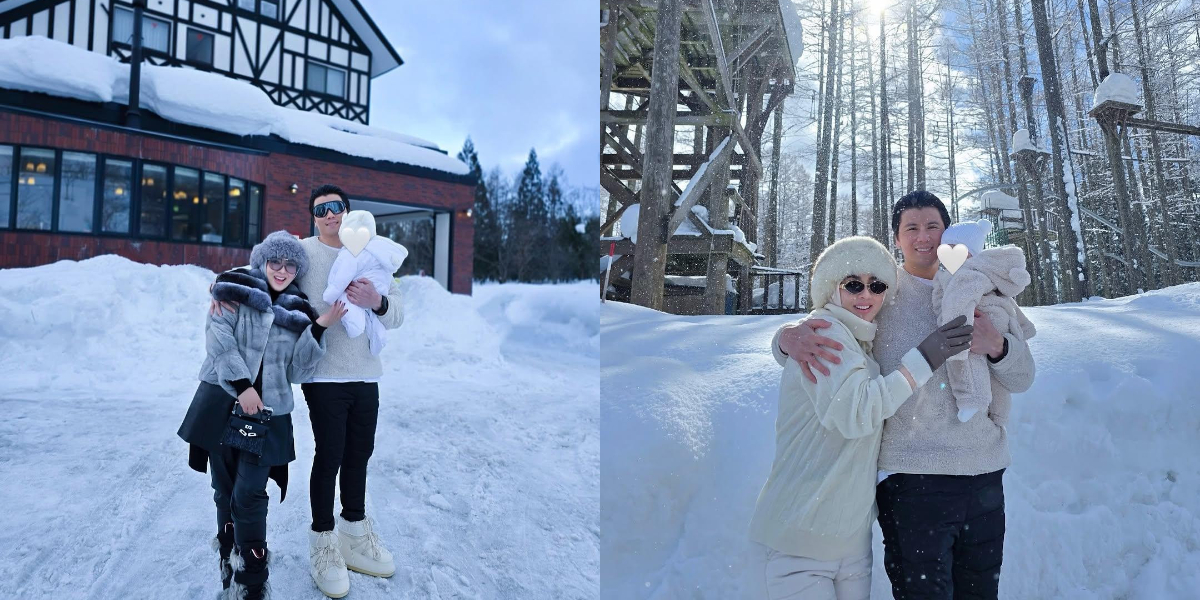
917 199
327 189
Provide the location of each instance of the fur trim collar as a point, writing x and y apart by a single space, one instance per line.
249 287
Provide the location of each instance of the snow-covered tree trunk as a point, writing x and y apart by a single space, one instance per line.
821 177
1166 239
1070 248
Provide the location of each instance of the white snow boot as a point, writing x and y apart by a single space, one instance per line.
327 568
363 550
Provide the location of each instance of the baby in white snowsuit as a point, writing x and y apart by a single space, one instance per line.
376 261
988 280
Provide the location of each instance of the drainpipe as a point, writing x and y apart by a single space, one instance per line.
133 114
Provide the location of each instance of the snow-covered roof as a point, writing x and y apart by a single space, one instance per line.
1117 87
1021 141
793 28
996 199
203 99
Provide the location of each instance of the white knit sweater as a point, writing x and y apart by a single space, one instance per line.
925 435
819 499
346 358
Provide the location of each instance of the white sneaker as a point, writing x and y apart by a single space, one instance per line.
362 549
327 568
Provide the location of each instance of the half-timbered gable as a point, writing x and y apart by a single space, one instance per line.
312 55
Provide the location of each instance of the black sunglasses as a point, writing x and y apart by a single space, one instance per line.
334 206
855 286
280 265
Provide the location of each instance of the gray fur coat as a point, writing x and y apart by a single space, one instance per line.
276 335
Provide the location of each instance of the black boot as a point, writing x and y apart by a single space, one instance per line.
250 573
223 544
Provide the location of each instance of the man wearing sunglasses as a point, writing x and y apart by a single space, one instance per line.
343 406
941 492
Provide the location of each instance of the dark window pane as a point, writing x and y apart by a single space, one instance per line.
315 80
212 208
184 205
154 201
200 46
156 33
36 190
235 212
335 82
270 9
417 235
77 192
114 212
255 210
6 173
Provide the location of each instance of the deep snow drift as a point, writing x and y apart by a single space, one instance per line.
484 482
1103 496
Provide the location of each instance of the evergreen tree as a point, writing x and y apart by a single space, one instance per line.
528 223
487 226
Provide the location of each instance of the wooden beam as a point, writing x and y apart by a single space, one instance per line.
714 33
1162 126
752 45
636 117
698 185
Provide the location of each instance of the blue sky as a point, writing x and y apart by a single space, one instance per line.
513 75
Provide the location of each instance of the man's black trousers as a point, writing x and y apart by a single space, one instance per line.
344 416
943 535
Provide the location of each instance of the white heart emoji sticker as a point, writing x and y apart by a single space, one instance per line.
354 239
952 257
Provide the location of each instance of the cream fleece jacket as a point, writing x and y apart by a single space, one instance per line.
987 281
925 435
346 358
819 500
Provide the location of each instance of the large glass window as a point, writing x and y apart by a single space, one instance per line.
256 198
325 79
77 192
185 204
6 173
154 201
417 235
35 192
235 212
156 32
212 206
200 46
118 189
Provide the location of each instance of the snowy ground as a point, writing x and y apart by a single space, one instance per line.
484 481
1103 496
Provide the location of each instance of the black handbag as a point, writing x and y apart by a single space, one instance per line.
247 432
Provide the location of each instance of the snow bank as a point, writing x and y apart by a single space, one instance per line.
98 319
998 199
1103 496
629 222
203 99
1117 87
559 317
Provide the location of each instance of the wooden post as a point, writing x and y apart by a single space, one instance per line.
650 254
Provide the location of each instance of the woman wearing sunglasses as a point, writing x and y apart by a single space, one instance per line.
255 354
815 511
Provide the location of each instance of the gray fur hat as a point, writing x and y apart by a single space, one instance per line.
857 255
280 244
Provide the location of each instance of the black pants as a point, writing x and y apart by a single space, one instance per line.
943 535
343 418
240 492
